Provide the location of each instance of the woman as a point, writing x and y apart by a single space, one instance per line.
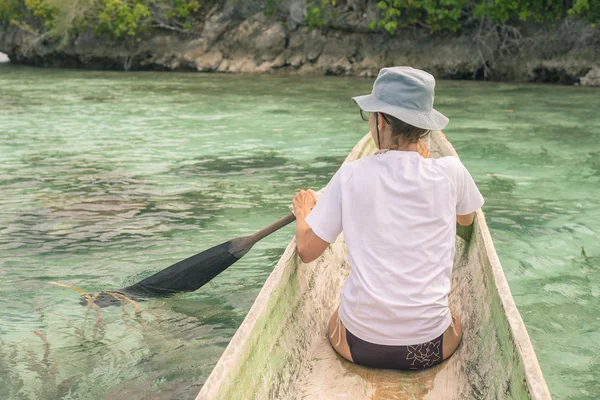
398 211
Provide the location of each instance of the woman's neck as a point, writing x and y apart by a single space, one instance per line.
404 147
388 142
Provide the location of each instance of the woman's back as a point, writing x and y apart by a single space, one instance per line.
398 213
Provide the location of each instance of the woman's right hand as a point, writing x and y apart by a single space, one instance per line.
304 202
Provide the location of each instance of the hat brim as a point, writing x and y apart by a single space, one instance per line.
432 120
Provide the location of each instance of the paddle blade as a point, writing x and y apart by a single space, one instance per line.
192 273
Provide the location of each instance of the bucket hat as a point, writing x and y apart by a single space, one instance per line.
407 94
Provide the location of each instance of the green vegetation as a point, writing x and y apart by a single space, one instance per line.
120 20
320 12
435 14
11 11
128 21
587 9
454 15
124 22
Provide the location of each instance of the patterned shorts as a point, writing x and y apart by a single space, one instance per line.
419 356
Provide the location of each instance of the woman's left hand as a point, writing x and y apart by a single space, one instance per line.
304 202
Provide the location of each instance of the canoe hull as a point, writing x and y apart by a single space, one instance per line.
281 349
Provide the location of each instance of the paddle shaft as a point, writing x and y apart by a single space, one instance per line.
242 245
275 226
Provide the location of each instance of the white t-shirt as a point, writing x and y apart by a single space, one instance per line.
398 213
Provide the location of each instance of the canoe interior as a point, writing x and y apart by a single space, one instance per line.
281 349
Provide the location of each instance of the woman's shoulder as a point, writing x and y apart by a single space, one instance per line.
353 168
451 167
347 169
448 159
450 163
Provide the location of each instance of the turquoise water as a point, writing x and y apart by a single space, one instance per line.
109 177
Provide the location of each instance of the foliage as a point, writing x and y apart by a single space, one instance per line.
454 15
314 17
11 11
124 22
588 10
524 10
183 8
271 6
182 11
46 11
320 12
131 20
121 20
436 14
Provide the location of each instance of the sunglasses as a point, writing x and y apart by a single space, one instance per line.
365 115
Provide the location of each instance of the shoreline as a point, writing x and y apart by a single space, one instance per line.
567 54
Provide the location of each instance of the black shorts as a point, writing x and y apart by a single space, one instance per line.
415 357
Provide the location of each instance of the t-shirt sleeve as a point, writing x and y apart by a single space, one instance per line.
468 197
325 219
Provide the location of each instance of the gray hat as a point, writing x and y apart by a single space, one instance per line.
407 94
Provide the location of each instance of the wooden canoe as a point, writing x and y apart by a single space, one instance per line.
281 349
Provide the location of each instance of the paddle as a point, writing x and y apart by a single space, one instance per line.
193 272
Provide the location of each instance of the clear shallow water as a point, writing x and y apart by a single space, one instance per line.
109 177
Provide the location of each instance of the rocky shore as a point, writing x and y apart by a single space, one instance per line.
237 41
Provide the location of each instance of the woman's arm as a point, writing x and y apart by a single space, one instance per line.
465 220
309 245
